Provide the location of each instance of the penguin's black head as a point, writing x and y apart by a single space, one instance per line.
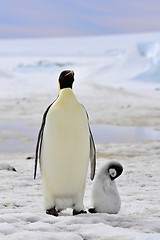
66 79
115 169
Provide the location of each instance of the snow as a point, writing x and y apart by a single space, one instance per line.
29 66
6 166
22 212
117 80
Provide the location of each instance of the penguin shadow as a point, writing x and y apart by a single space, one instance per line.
105 197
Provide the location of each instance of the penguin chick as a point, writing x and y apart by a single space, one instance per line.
105 196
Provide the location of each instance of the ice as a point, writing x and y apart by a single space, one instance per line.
26 67
151 71
108 60
41 65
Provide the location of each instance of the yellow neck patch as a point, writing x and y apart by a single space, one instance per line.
58 86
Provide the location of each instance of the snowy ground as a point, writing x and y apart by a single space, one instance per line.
22 215
118 81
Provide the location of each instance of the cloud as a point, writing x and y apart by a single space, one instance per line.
7 31
22 18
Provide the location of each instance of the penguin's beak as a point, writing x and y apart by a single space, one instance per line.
70 73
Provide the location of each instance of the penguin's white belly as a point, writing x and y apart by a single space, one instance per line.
105 197
65 154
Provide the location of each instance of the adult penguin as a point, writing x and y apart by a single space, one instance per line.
105 195
65 144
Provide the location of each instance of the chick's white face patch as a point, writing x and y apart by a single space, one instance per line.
112 172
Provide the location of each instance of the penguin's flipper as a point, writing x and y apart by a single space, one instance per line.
40 139
39 142
92 156
92 150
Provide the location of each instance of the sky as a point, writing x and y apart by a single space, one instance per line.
64 18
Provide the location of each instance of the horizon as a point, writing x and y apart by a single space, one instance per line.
82 37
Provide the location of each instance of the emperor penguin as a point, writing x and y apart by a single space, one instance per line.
64 147
105 195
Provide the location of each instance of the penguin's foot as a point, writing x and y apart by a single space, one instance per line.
92 210
52 211
75 212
